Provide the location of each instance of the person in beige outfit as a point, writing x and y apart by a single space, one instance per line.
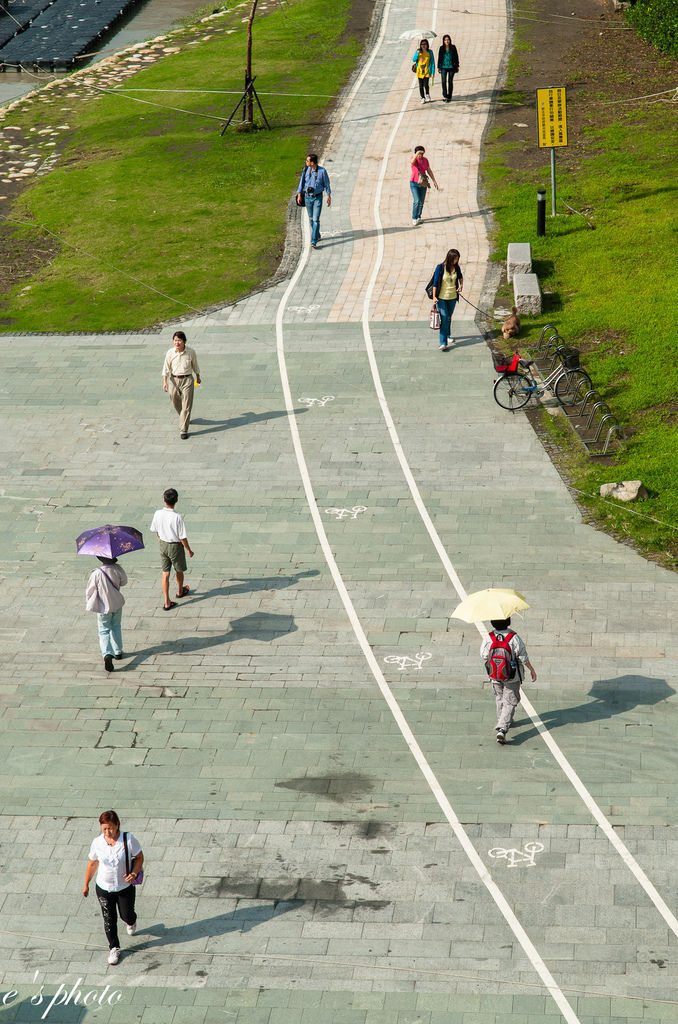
180 364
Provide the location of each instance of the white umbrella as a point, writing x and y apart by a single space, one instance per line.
419 33
494 603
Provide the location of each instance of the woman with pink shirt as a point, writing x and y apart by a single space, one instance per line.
420 172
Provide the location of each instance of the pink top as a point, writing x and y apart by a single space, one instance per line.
420 166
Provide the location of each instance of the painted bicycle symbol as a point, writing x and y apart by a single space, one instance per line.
404 661
514 857
346 513
316 401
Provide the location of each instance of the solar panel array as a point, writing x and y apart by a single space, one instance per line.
57 31
15 15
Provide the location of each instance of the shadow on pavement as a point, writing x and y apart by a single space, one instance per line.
27 1010
236 921
360 233
214 426
260 626
610 697
245 585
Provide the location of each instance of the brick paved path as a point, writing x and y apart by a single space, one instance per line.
300 866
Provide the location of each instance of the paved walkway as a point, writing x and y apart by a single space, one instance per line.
306 745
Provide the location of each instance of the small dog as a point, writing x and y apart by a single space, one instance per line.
511 327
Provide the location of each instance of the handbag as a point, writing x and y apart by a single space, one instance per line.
429 286
434 320
424 180
140 877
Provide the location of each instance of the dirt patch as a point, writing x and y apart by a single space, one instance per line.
582 45
20 259
604 341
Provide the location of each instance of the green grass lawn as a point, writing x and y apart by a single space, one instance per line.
160 194
613 293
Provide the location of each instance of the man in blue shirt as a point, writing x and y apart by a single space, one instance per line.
313 182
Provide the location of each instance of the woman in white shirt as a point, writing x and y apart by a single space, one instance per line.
114 884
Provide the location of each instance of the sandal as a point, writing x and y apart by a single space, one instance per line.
168 607
184 591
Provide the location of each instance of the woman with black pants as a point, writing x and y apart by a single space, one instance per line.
448 65
109 856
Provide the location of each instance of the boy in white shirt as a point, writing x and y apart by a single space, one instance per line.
169 526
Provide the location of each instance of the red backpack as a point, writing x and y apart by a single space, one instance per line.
501 663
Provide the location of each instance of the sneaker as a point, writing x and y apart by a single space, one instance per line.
119 655
131 928
423 100
114 956
414 222
108 665
443 348
183 436
450 341
418 220
501 737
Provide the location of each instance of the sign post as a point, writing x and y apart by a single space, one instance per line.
552 128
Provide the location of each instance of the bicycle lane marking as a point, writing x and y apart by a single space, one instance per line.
407 734
569 771
500 900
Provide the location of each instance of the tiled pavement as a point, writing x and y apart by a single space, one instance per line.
300 869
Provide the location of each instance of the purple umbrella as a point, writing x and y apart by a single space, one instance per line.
109 541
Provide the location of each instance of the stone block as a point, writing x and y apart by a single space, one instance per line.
527 293
624 490
518 259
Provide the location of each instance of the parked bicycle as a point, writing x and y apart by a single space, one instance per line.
516 385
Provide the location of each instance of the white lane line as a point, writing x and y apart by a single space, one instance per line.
416 751
587 798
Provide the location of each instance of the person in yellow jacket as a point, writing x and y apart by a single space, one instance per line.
424 67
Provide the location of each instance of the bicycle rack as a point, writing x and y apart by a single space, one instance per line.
607 417
541 343
614 429
584 404
552 345
557 358
580 391
585 400
603 419
592 414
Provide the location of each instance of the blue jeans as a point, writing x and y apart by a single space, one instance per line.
418 197
446 309
314 205
110 632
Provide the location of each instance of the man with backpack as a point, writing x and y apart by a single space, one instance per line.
504 655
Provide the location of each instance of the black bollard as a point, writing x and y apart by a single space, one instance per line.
541 212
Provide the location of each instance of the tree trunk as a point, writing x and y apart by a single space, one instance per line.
249 102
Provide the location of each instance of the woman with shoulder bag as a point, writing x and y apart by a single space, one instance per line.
116 860
420 172
448 281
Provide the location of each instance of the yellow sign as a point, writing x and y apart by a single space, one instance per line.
551 118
